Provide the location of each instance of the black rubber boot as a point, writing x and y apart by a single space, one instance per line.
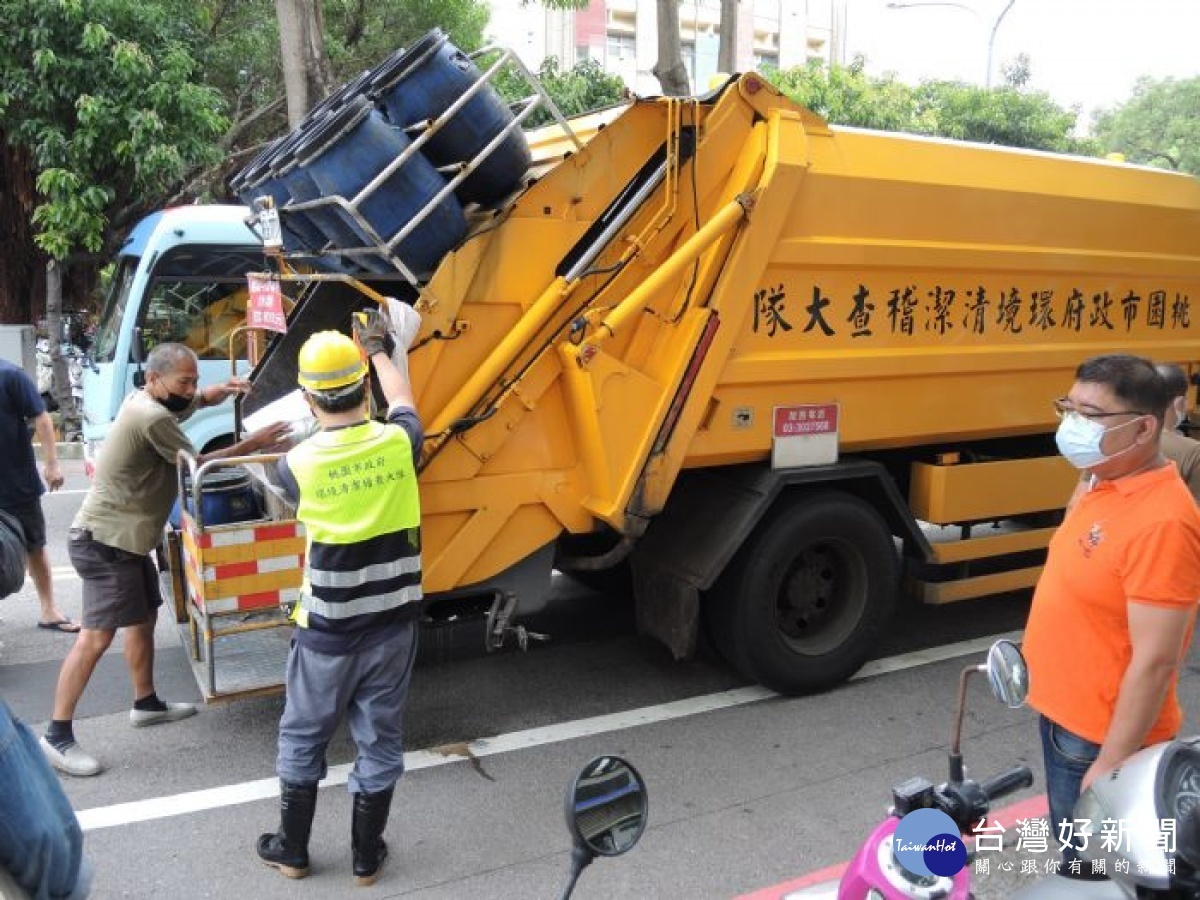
287 849
366 835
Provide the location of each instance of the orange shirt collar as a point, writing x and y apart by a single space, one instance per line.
1131 484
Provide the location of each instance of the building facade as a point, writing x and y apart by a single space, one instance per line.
622 35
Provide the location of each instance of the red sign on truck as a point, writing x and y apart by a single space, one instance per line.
265 307
816 418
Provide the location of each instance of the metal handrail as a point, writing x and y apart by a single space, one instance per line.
546 100
376 244
385 248
189 468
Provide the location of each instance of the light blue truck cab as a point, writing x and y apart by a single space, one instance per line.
180 276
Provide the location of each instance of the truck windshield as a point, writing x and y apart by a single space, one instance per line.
109 329
196 296
197 312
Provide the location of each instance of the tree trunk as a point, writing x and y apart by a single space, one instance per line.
21 262
727 51
302 49
54 334
670 70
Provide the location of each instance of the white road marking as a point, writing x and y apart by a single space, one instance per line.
264 789
68 573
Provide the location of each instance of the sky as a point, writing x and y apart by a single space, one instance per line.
1082 52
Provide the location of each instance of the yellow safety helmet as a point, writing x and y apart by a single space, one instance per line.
329 360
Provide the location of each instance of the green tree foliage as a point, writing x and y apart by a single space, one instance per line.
578 90
846 95
358 35
1158 126
1009 114
107 98
1004 115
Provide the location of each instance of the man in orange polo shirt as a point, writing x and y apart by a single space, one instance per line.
1113 612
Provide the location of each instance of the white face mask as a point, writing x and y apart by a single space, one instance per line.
1079 438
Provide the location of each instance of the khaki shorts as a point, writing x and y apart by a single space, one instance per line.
119 588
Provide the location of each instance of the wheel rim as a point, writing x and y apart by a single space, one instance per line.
822 597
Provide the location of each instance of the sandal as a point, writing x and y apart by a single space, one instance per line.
65 626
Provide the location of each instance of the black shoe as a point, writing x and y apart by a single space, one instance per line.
366 831
292 861
369 866
287 849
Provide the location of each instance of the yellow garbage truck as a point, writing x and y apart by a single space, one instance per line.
772 371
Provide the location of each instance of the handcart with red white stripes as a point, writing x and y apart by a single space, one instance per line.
233 584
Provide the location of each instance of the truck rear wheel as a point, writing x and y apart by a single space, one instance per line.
801 606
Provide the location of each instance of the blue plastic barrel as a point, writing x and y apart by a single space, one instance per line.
297 183
226 497
356 87
253 170
345 152
421 83
261 178
245 184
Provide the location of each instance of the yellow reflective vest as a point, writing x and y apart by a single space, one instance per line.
362 514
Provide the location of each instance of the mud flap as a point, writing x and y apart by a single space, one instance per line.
668 608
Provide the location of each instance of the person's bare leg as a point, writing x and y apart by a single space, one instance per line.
139 655
38 564
77 670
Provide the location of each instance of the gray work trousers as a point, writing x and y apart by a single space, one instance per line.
371 688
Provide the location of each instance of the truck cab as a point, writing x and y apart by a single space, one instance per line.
180 276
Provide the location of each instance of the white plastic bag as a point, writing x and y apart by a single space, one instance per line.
406 322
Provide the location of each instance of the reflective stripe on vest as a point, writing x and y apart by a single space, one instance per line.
362 513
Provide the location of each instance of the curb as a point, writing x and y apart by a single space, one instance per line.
65 450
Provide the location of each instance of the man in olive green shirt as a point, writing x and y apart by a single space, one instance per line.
120 523
1181 450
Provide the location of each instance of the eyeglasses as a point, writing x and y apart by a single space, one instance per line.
1063 408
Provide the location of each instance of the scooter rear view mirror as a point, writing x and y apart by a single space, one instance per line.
1008 675
606 807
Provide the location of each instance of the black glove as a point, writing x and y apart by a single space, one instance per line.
373 330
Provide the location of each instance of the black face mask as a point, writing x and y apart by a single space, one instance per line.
176 403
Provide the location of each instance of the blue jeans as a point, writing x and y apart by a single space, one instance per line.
41 844
1067 758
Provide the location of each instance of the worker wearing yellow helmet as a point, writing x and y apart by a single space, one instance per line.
354 483
330 362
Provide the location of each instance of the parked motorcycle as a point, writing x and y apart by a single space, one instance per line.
876 872
1152 802
606 809
74 358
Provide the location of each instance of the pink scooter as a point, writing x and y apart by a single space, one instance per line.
876 872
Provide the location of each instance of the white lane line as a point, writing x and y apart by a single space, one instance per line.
932 654
63 493
263 789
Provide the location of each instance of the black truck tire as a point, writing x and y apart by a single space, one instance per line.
802 605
